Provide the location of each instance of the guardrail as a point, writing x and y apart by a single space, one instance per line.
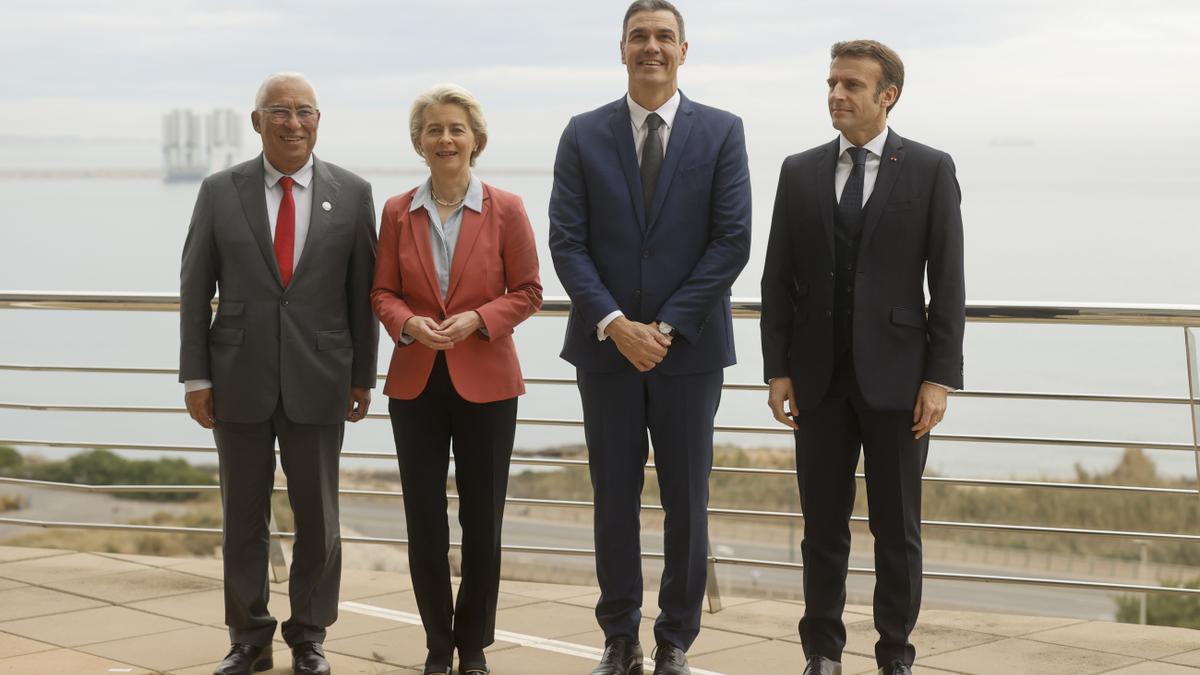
1184 317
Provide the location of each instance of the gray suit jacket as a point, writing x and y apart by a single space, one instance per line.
307 344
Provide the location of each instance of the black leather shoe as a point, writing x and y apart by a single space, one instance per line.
438 665
244 659
472 663
819 665
621 657
896 667
308 658
670 660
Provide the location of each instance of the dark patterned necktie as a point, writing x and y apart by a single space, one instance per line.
850 206
652 158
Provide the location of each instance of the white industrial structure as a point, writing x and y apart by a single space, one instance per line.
194 146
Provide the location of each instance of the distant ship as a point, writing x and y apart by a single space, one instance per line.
194 146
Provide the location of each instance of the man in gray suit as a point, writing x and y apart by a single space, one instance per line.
290 242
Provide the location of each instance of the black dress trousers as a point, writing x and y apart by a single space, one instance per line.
482 436
827 448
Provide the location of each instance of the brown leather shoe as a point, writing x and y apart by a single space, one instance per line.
244 659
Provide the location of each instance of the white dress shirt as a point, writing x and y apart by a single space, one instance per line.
637 119
302 196
845 164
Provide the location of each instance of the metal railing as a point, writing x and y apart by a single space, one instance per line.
1184 317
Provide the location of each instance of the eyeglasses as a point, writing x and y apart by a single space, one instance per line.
280 114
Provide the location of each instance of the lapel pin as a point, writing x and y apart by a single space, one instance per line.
329 207
892 158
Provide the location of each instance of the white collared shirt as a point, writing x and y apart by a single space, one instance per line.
302 196
637 118
845 164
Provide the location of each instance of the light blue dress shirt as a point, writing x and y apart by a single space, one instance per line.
443 237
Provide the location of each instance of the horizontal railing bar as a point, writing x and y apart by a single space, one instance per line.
539 461
724 428
728 386
720 560
712 511
1122 314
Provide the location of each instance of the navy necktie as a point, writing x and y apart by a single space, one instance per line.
850 206
652 158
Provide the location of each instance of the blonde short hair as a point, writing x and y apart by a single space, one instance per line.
443 94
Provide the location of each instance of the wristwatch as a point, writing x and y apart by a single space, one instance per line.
667 329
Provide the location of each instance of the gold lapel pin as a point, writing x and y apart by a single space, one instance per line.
892 158
329 207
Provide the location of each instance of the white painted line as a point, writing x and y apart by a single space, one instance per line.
544 644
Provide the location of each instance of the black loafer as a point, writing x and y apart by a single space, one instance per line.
308 658
438 665
472 663
670 660
622 656
244 659
819 665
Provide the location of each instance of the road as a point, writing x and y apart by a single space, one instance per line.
386 519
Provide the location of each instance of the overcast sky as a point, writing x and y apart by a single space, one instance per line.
1080 70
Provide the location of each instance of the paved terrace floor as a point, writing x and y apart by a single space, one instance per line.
74 613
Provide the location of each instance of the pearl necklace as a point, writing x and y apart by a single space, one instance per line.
446 204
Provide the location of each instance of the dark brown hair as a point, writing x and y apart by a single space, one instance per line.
888 60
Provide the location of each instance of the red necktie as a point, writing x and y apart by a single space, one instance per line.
285 231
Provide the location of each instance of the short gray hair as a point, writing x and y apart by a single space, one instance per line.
443 94
260 99
652 6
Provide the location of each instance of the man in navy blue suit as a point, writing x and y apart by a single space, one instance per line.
649 227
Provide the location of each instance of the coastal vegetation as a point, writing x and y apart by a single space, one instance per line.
102 467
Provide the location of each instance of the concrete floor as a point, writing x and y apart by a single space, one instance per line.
65 612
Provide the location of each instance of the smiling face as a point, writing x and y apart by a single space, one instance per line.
652 54
447 140
287 140
856 109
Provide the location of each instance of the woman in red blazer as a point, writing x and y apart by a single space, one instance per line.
457 271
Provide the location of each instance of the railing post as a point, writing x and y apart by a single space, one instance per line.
1193 368
710 587
279 557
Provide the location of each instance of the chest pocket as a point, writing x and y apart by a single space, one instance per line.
697 177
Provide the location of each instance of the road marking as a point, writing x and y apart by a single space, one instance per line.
544 644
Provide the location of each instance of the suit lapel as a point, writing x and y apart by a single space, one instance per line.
253 195
468 232
419 222
679 136
826 188
325 190
622 130
889 169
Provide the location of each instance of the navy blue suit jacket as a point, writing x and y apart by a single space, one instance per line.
674 263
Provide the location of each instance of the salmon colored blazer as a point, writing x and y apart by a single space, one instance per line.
494 272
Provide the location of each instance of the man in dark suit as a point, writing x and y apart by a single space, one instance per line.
290 242
649 227
850 354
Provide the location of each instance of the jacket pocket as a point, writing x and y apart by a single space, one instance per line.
334 339
230 308
901 205
226 336
908 317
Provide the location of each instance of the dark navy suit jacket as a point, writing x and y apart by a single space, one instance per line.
674 263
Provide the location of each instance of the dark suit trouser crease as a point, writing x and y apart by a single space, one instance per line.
309 455
678 411
482 436
827 448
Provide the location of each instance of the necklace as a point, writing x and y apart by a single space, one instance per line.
446 204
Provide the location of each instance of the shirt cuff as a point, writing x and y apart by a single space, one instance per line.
406 339
948 389
600 327
196 385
